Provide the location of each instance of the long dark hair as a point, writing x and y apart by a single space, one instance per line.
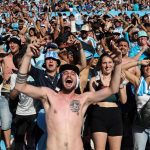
34 30
18 57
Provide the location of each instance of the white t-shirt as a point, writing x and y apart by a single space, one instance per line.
26 104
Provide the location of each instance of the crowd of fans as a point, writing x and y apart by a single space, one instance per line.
86 41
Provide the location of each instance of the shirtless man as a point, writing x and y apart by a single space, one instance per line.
7 67
65 109
123 45
126 94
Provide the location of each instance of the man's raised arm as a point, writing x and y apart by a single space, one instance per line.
21 85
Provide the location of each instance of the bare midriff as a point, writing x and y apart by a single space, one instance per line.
107 104
56 143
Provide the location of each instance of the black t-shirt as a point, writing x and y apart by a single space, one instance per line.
43 79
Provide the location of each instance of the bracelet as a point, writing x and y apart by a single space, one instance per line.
21 78
22 74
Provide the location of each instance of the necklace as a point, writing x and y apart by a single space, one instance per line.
51 78
105 79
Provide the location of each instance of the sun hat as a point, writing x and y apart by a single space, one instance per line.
52 55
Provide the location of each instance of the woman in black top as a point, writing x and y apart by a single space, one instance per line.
106 120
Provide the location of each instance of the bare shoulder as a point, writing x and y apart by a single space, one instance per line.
127 60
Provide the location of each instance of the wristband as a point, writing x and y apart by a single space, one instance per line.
21 78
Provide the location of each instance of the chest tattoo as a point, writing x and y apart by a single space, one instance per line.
75 106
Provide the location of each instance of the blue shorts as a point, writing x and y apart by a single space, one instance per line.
5 114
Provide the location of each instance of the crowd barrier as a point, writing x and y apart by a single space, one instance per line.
113 13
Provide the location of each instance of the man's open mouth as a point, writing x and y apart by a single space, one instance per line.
69 81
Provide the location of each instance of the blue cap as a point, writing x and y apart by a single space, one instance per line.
88 54
142 34
96 55
15 26
52 55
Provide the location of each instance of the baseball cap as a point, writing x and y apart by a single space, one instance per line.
142 34
88 54
116 31
96 55
53 55
52 46
85 28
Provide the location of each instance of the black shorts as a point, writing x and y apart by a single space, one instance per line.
108 120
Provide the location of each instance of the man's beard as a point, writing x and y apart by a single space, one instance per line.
68 90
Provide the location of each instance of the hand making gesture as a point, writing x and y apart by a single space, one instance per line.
115 53
33 50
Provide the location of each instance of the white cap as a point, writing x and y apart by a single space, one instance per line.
85 28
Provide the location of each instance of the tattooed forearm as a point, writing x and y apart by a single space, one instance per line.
21 78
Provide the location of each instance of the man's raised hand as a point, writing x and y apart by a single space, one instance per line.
116 54
33 50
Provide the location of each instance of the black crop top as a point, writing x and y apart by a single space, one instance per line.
112 98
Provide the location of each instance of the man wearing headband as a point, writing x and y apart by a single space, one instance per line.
65 109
